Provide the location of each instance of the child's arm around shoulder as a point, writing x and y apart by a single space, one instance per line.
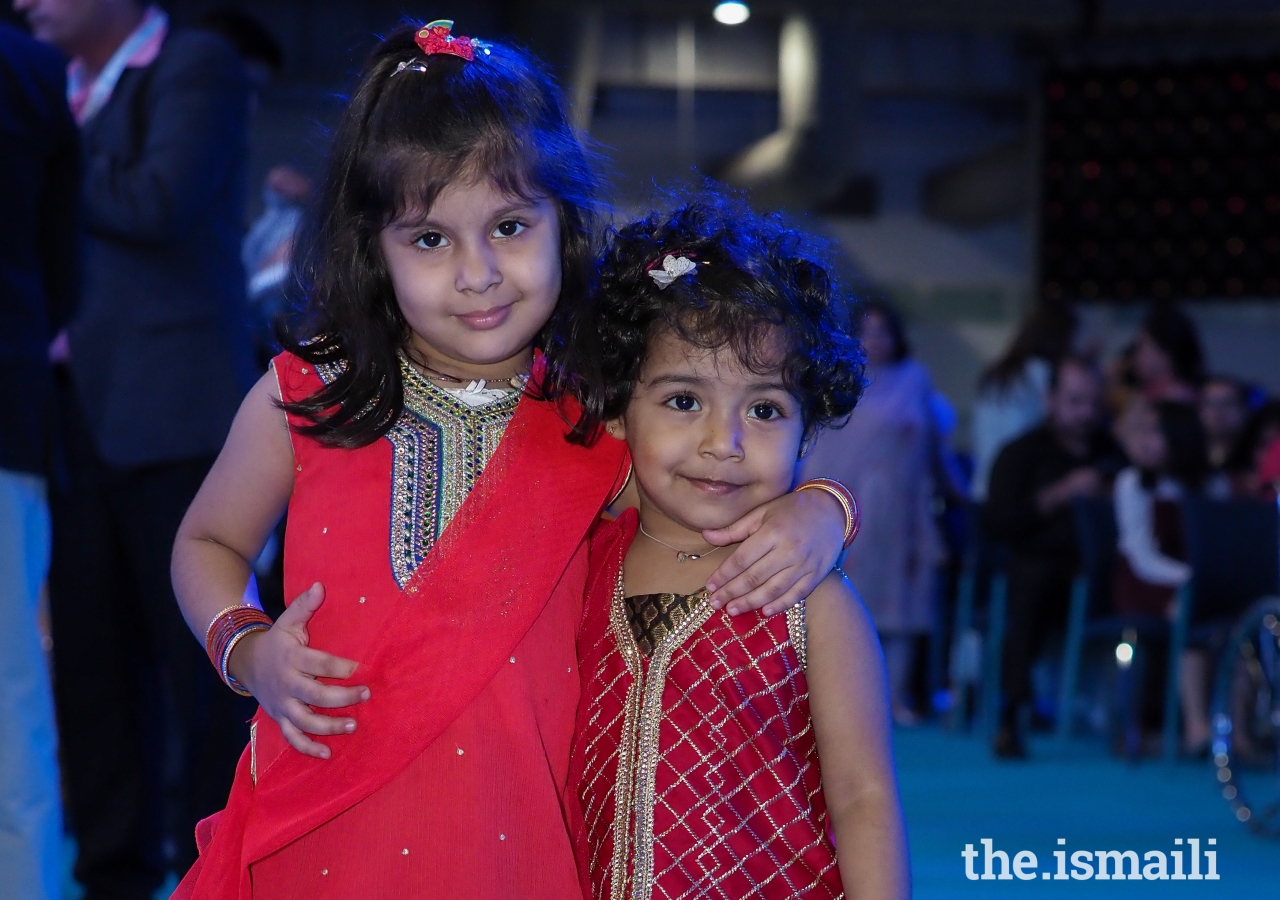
241 500
849 702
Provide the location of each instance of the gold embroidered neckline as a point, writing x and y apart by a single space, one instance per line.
440 446
652 617
421 394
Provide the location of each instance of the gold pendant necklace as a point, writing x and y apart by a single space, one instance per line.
681 555
517 381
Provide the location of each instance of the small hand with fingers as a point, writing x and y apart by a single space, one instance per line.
281 671
788 546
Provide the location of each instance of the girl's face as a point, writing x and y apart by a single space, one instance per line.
877 340
477 278
710 441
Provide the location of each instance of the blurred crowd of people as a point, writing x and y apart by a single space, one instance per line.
1053 425
123 254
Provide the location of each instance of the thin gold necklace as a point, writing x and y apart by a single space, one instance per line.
681 555
516 381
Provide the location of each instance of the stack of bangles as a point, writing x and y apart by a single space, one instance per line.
226 630
853 515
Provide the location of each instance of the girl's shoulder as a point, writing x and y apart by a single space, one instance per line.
611 536
835 590
296 377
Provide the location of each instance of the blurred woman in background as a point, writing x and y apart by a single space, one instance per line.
1223 411
1012 392
1168 362
887 455
1261 433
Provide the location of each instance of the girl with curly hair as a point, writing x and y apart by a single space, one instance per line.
716 756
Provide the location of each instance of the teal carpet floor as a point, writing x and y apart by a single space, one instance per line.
955 793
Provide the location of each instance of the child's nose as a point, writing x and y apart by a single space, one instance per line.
477 269
722 438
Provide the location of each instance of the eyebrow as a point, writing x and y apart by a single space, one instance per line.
695 381
414 223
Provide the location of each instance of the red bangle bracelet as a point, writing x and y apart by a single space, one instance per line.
225 631
844 496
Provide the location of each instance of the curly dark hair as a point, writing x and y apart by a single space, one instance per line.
403 137
756 280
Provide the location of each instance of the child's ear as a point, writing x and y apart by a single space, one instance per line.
616 428
806 443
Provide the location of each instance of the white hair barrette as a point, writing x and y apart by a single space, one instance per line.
672 268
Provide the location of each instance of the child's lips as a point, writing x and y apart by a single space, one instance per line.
713 486
485 319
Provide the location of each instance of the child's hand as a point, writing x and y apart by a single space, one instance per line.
788 546
280 670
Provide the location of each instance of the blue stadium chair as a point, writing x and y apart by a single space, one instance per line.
1092 618
979 596
1234 550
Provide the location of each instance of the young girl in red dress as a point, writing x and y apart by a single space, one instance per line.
716 756
435 508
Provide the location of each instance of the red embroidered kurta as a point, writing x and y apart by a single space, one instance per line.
695 759
461 605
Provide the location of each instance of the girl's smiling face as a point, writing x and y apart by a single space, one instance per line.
710 441
476 278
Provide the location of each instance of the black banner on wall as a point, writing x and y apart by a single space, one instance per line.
1162 182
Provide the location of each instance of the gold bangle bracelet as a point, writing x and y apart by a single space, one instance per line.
848 502
224 669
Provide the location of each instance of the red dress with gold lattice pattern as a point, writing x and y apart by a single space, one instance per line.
695 757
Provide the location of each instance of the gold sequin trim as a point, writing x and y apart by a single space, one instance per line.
253 753
796 630
441 446
638 759
626 747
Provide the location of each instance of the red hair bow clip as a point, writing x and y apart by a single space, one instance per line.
435 37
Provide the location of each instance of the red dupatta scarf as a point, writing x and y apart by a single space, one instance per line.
432 649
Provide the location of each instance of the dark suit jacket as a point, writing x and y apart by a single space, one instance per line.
39 254
159 348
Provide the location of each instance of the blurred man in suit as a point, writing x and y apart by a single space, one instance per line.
40 184
159 359
1034 482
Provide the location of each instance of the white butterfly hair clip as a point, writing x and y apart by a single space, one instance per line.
673 267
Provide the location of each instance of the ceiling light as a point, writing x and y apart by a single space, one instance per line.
731 13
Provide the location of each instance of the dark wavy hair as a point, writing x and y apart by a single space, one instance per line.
1046 332
1179 339
1244 454
760 280
403 137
